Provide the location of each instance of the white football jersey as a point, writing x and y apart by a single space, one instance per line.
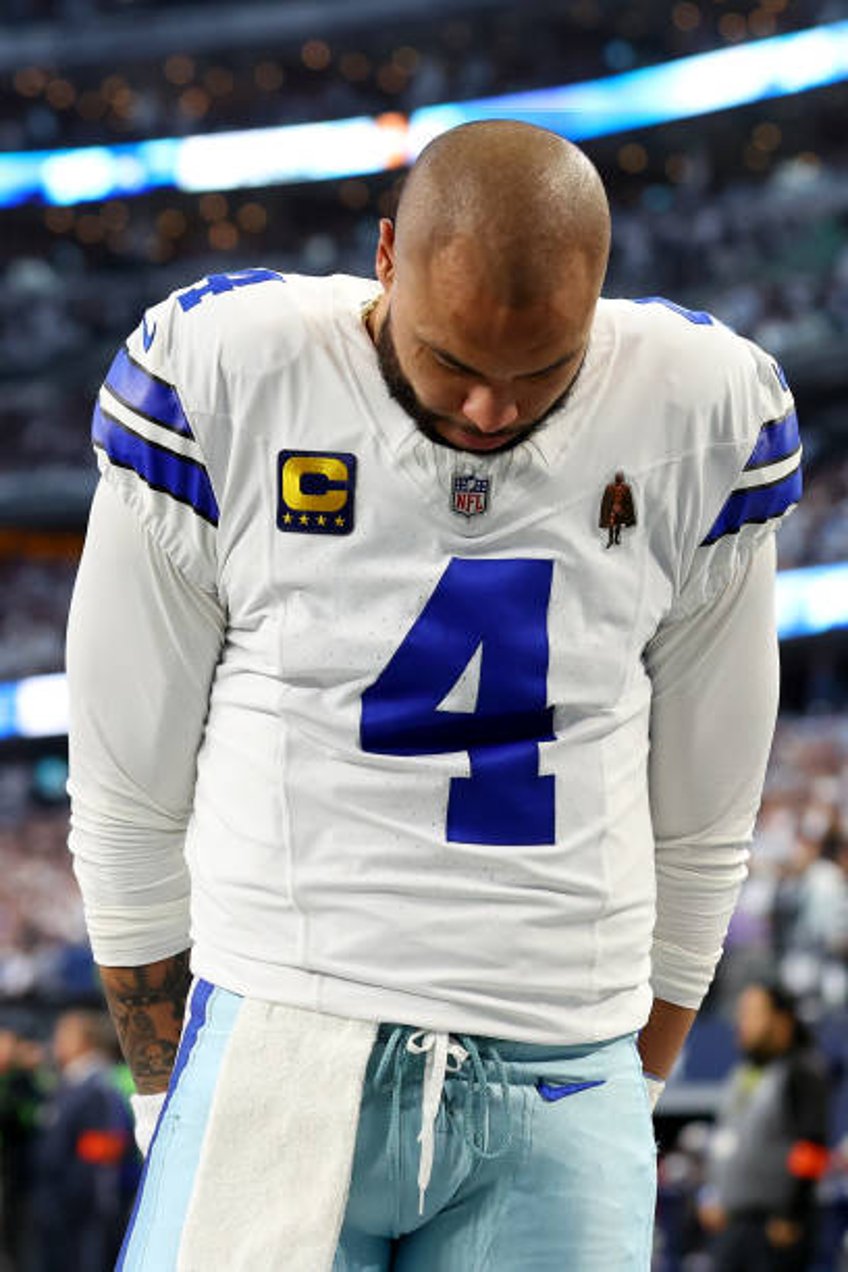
422 790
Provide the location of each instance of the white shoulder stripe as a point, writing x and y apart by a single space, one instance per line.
769 473
148 429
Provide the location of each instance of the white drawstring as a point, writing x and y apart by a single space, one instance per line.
443 1055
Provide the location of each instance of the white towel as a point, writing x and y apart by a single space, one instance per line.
273 1181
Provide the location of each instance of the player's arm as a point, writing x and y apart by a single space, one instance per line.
147 1004
662 1037
715 688
143 643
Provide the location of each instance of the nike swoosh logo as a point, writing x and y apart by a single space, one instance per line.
148 334
551 1093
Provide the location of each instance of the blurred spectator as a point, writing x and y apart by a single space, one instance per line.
769 1147
810 903
23 1089
680 1239
85 1157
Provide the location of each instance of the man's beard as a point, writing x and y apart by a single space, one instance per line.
403 393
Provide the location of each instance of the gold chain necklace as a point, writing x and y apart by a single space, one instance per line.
367 310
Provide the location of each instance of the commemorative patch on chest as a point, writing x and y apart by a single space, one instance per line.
470 494
315 492
618 509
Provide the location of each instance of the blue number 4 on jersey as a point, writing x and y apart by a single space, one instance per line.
492 616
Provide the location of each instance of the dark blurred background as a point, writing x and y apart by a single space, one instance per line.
741 211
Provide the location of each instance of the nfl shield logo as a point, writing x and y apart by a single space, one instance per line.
469 494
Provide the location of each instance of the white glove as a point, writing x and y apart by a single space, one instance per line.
146 1110
655 1088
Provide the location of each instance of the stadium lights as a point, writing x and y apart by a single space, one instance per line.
679 89
809 602
812 600
36 707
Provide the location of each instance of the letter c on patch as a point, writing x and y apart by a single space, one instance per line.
315 483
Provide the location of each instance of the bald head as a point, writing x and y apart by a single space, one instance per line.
491 276
515 203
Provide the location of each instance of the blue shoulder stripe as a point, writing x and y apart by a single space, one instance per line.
184 479
697 316
777 440
146 393
756 505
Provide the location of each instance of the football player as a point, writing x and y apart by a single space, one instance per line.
447 790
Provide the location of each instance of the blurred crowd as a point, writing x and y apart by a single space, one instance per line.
770 259
32 621
817 531
792 915
413 56
43 945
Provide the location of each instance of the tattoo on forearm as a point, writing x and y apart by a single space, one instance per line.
147 1005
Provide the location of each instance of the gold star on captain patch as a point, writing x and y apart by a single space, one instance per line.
340 521
303 519
322 521
288 519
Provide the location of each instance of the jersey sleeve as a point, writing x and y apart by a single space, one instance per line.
143 643
714 678
146 431
713 665
760 477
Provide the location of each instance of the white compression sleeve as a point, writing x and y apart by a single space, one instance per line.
143 643
715 684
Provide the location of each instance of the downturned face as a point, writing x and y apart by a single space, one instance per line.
476 371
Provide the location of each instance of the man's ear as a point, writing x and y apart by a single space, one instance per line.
385 263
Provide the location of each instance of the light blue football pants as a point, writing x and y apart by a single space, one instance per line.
548 1167
543 1158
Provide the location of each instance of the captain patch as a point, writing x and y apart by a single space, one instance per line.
315 492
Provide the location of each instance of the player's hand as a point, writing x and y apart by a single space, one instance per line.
146 1110
782 1233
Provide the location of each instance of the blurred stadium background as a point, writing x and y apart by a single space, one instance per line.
144 144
